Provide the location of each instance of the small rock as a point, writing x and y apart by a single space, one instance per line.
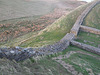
90 42
85 41
99 46
88 34
17 47
80 74
97 36
74 72
12 52
72 69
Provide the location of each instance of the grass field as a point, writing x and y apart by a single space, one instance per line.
20 17
84 62
23 8
54 32
28 67
20 27
93 18
89 38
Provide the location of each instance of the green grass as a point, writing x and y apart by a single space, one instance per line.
22 8
47 66
93 18
90 61
86 61
70 48
21 19
80 62
56 31
27 67
17 41
74 48
89 38
61 27
44 39
77 59
14 12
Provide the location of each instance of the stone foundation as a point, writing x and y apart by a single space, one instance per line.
86 47
90 30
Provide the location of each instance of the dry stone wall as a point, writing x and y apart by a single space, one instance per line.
86 47
20 54
80 19
89 29
78 26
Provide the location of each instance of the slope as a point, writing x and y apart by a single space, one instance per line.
72 60
49 35
30 16
54 32
91 20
